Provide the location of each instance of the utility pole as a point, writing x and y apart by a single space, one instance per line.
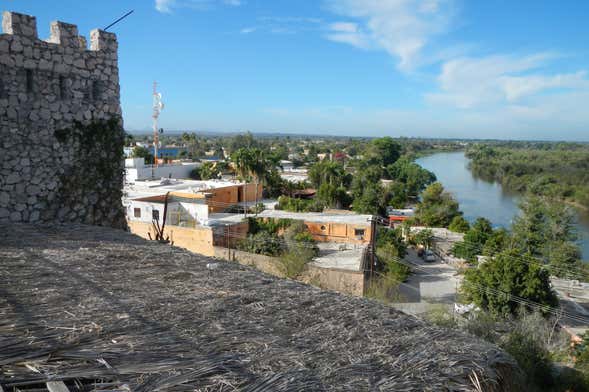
372 245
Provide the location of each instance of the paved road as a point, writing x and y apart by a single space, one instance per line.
430 283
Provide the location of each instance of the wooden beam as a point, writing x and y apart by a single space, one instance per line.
57 386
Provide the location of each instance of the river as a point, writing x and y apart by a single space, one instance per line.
482 198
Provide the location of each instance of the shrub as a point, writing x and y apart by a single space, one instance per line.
391 236
298 205
195 174
532 358
384 290
459 224
257 225
263 243
297 235
293 262
439 314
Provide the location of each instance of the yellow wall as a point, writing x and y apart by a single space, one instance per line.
223 197
249 191
338 232
195 239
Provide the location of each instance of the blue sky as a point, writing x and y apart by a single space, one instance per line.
423 68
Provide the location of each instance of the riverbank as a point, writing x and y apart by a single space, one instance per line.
556 173
489 199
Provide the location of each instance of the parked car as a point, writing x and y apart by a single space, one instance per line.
429 256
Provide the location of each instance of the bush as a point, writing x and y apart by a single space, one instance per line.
293 262
263 243
532 358
459 225
302 248
286 203
439 314
384 290
257 225
392 269
195 174
385 236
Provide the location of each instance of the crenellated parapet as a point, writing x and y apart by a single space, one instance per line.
53 93
19 24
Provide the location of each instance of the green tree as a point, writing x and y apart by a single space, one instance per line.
393 270
367 192
332 196
437 207
411 175
253 164
509 273
565 261
424 237
332 173
497 242
383 151
386 236
459 225
474 240
397 194
546 230
142 152
370 200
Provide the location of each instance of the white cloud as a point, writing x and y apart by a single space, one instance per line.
516 87
247 30
344 27
166 6
403 28
499 80
283 24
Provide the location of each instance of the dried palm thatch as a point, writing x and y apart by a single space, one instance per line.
103 310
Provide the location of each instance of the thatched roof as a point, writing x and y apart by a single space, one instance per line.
104 310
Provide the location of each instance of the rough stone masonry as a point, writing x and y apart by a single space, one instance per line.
61 133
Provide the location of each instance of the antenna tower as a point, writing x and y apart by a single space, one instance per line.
157 108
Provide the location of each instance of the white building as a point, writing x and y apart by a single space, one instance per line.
137 170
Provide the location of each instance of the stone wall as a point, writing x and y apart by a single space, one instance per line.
61 130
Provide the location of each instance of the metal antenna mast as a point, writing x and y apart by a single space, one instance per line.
157 108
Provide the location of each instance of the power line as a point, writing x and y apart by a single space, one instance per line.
118 20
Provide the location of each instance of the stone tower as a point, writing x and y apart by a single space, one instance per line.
61 134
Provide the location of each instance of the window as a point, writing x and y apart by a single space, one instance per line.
29 80
137 212
155 215
96 90
87 90
62 88
323 228
359 232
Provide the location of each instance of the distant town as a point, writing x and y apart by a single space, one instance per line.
274 262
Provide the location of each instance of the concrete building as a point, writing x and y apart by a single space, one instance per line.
194 210
137 170
189 201
329 226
